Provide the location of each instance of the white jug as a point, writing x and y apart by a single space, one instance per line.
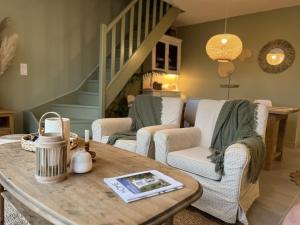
81 162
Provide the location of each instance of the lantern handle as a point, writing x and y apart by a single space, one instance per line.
61 121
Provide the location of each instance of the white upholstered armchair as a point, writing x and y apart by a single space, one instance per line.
170 118
226 197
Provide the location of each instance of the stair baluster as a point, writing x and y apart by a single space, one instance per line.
133 40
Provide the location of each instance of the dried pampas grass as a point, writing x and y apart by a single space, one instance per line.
5 24
7 52
8 45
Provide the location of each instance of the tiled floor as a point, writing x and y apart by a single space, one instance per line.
277 192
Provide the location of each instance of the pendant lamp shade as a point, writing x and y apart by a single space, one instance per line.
224 47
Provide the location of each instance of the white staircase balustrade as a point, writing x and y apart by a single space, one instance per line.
146 22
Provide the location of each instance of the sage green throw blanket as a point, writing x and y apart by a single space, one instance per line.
145 111
237 124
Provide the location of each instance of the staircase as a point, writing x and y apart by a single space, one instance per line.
124 45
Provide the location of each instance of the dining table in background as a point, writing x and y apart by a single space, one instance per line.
274 137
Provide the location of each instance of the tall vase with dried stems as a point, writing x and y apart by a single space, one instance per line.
8 45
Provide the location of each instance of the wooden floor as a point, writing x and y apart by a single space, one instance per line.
278 193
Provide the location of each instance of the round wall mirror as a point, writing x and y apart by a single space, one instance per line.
276 56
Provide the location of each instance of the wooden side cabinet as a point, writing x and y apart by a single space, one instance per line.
166 55
6 122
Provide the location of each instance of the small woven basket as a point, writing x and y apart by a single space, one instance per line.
27 143
51 155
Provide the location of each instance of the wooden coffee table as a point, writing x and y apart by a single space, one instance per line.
85 199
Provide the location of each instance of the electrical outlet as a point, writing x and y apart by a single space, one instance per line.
23 69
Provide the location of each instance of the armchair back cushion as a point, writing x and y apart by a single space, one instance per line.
171 111
190 112
206 118
207 115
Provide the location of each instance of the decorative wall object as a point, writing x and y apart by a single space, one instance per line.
225 69
229 86
8 45
276 56
245 55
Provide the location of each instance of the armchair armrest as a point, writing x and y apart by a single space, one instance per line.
236 157
236 165
109 126
145 145
173 140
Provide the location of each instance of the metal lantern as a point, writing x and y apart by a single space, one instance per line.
51 155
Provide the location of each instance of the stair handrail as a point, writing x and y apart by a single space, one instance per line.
121 15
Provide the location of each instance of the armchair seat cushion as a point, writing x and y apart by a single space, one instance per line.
194 160
104 139
129 145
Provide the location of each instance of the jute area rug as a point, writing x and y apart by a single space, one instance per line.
190 216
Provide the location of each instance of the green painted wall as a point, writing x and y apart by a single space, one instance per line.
199 77
59 40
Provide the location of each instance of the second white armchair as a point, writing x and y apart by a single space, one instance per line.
226 197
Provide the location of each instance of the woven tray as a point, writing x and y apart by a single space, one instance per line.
27 142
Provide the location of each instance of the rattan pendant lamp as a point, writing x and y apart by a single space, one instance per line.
224 47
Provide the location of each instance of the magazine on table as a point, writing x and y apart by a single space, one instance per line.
136 186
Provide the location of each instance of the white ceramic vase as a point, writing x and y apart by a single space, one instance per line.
81 162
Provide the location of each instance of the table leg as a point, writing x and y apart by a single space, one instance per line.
280 137
1 206
11 124
269 143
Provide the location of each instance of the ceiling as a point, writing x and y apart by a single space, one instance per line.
199 11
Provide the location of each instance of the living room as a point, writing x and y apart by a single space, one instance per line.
149 112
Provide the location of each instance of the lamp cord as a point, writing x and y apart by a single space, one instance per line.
226 18
225 26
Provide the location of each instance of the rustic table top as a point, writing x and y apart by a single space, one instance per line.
85 199
282 110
